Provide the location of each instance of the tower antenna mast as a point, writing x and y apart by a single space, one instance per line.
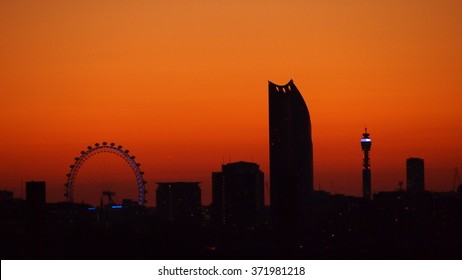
366 144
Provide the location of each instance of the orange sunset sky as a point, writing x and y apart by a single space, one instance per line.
183 86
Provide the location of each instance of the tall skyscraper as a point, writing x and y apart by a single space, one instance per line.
291 155
238 195
366 144
415 175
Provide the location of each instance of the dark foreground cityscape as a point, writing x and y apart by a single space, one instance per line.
300 223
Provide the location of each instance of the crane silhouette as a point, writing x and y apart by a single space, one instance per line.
109 195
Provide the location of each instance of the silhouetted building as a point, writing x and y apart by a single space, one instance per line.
129 203
238 195
68 216
291 155
36 216
179 201
415 175
366 144
5 195
36 195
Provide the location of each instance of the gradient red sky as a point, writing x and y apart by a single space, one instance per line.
183 85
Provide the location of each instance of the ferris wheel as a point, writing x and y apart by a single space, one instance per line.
102 168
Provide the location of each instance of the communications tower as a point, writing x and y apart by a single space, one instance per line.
366 144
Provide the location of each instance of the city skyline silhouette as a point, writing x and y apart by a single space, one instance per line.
300 222
183 86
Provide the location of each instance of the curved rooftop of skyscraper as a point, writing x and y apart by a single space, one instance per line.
291 154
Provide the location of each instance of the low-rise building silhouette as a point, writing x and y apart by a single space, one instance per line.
36 194
5 196
238 195
415 175
178 201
